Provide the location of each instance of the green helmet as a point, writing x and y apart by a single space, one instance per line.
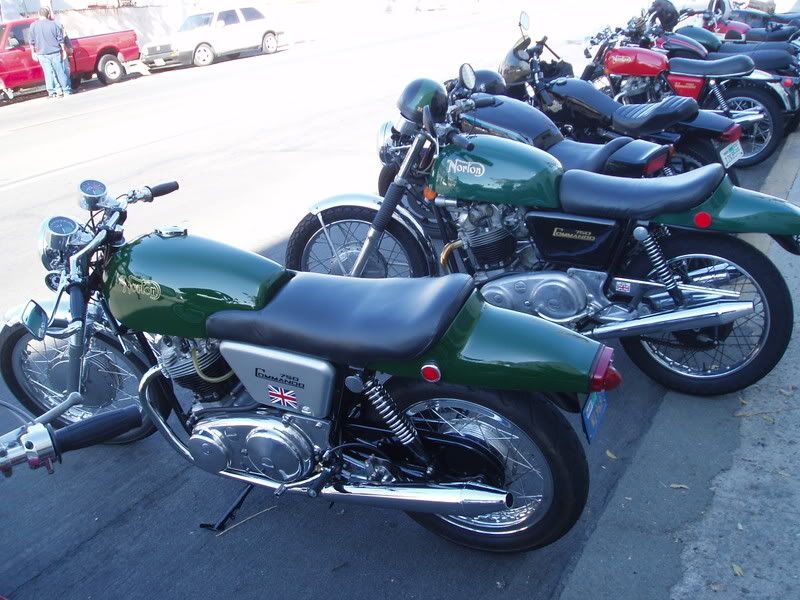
420 93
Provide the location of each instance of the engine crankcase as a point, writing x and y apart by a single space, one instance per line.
550 294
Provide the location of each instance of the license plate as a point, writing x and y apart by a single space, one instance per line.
593 412
731 153
159 62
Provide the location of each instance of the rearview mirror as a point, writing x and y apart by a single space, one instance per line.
524 21
35 319
466 77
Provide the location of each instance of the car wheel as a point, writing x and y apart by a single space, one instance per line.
269 45
203 55
110 70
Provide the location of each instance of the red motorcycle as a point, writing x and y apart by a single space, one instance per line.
633 74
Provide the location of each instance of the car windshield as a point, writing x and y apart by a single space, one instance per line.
196 21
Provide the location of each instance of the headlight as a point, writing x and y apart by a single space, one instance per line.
384 138
54 238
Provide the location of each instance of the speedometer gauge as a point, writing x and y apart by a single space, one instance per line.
62 225
54 237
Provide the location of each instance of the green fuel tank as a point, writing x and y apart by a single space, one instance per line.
170 284
498 171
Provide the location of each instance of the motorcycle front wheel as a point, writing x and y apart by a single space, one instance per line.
36 372
727 358
333 250
541 462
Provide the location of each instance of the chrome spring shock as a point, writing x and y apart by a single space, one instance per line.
656 256
400 425
717 91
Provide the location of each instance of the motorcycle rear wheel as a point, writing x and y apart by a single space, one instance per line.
725 359
545 466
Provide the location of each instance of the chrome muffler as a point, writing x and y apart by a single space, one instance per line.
712 315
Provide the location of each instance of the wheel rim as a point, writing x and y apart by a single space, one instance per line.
700 354
755 136
528 477
203 55
335 253
270 43
109 379
112 69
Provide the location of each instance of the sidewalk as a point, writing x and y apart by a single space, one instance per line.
709 506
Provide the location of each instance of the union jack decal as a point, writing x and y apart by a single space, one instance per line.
282 396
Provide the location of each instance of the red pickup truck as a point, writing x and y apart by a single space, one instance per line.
101 54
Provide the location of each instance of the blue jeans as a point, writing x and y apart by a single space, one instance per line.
56 73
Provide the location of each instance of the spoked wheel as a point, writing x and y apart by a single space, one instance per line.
534 455
333 250
695 154
727 358
36 373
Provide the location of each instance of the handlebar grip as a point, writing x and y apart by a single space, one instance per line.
96 430
392 198
77 303
546 97
460 141
485 101
162 189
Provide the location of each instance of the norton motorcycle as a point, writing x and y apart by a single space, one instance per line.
628 72
287 373
648 261
586 114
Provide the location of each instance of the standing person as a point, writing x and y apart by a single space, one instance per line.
48 47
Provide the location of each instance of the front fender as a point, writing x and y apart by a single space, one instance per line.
737 210
400 215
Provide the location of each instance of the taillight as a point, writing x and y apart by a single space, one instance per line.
604 376
731 134
654 165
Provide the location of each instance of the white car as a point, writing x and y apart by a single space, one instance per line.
207 35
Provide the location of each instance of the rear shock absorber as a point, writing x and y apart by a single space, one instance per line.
717 91
656 256
400 425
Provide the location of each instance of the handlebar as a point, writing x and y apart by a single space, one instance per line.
162 189
454 137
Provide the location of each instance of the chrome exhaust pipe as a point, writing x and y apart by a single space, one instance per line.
679 320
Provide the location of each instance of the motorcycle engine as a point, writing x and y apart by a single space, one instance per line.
489 235
281 447
175 357
633 89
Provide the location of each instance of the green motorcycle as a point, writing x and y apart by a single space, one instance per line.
649 261
413 394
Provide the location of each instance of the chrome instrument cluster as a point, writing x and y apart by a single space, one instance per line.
55 236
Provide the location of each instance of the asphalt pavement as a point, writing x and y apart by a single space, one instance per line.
253 142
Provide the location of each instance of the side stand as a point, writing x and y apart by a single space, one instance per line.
231 513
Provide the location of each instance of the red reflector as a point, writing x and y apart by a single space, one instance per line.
788 82
604 375
702 220
655 164
431 372
731 134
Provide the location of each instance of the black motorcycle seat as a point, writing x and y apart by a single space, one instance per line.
593 195
586 157
638 120
747 47
349 320
766 60
761 34
730 66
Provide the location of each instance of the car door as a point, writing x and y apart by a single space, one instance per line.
254 24
22 69
227 32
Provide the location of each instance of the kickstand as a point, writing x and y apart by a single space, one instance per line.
231 513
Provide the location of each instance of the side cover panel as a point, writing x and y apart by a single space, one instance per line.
171 285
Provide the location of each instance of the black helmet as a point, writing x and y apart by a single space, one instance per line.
420 93
489 82
666 13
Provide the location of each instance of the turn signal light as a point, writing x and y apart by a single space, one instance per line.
655 164
429 194
731 134
604 376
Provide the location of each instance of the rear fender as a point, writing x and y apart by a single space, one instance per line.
400 215
496 348
737 210
766 81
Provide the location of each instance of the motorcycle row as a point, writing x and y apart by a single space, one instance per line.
419 349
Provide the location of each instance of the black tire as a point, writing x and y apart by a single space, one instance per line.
269 43
792 123
692 153
554 438
110 70
773 109
8 340
203 56
775 295
309 226
416 204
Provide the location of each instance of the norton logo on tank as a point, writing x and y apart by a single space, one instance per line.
622 59
131 284
464 166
